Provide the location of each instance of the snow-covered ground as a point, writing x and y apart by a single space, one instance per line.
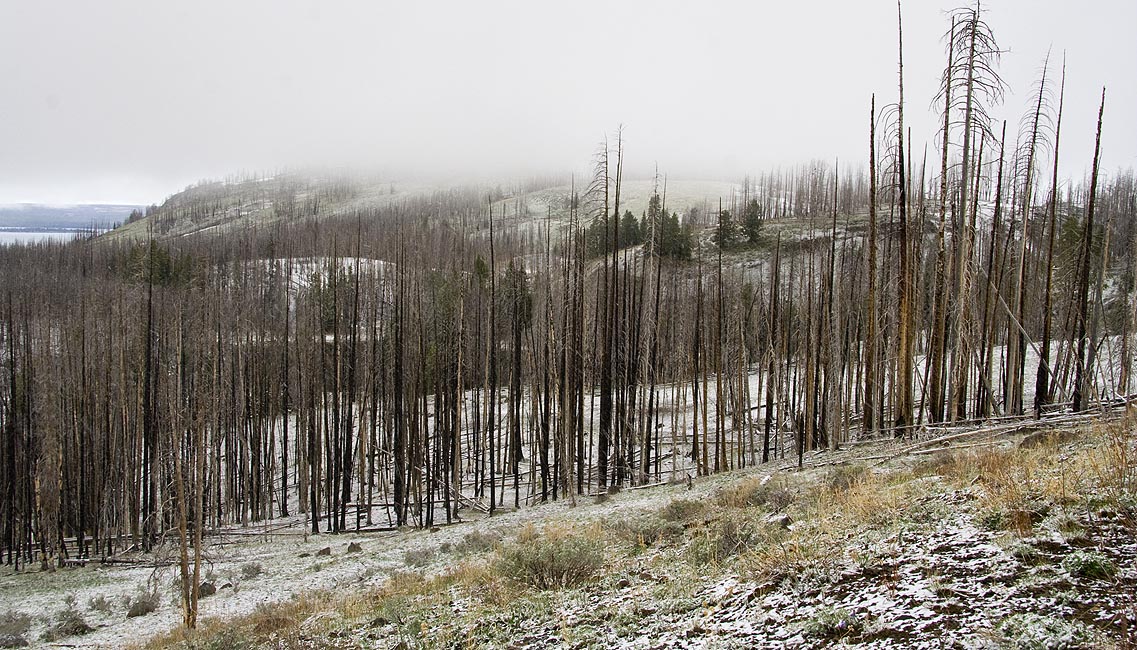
923 568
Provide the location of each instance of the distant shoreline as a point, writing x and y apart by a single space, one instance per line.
48 229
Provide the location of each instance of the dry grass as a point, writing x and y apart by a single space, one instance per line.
281 619
1115 465
773 494
1018 485
282 622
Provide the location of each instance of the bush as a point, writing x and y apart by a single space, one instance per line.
1038 632
774 495
227 639
477 541
142 603
418 557
251 570
832 623
100 604
726 539
1088 564
681 510
559 559
67 622
1024 553
994 519
13 627
646 530
843 477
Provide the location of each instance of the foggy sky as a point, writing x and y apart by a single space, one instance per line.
130 101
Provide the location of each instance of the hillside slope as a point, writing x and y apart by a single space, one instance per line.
998 537
991 540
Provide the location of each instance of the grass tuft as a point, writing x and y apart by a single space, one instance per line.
1089 564
1031 631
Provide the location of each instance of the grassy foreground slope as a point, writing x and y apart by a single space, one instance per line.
1000 538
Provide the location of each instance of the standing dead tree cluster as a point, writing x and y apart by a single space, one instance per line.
399 364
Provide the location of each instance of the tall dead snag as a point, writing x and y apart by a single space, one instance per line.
870 390
720 446
1125 377
1042 377
491 396
905 303
833 367
970 83
601 182
986 394
655 217
1083 375
772 346
934 399
399 429
1033 133
695 367
982 86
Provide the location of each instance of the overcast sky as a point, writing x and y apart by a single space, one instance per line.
116 101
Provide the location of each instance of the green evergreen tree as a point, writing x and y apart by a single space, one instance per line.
726 234
752 221
630 232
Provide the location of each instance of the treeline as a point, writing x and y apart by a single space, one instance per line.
395 365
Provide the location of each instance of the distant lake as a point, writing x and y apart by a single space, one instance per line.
30 236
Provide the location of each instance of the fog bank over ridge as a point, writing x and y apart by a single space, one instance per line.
126 102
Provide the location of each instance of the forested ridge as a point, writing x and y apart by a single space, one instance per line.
366 364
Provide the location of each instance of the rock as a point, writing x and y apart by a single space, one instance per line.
327 550
141 607
354 547
206 588
623 583
304 555
779 519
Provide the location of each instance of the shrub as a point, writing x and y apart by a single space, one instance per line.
1025 553
142 603
941 463
1038 632
477 541
100 604
646 530
681 510
774 495
832 623
418 557
843 477
251 570
227 639
559 559
67 622
13 627
1088 564
993 519
726 539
